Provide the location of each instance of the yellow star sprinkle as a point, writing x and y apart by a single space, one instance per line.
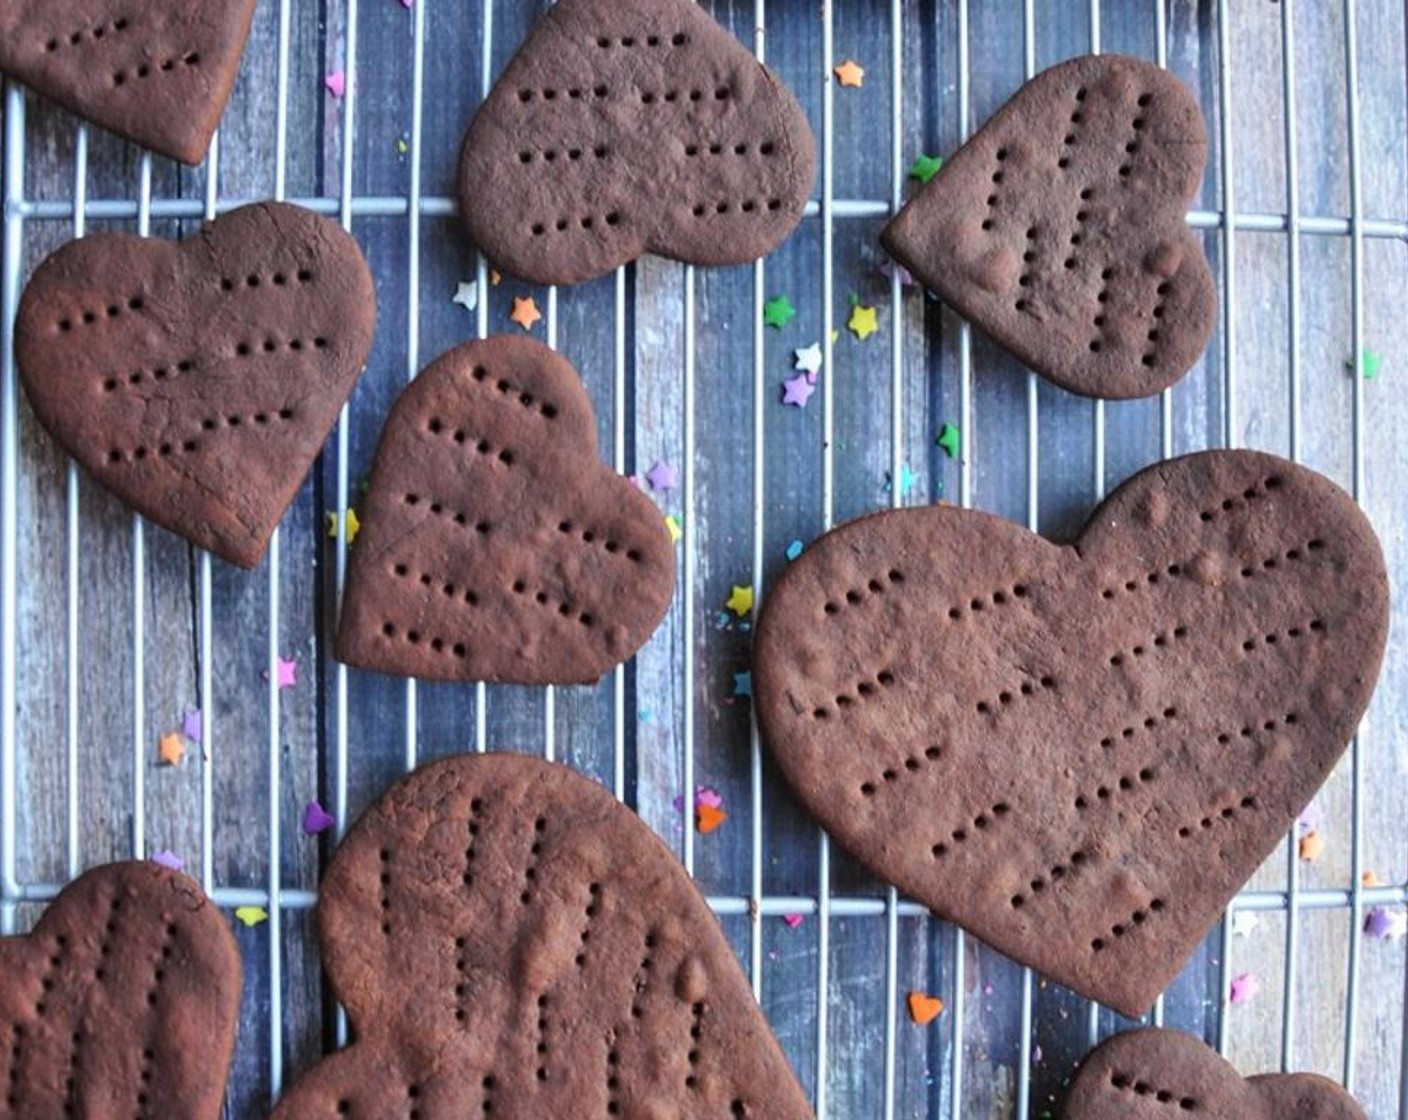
171 749
864 321
525 312
851 73
741 601
252 915
672 524
352 524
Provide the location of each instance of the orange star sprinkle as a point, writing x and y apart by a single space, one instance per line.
525 312
1312 847
1369 879
851 73
171 749
924 1008
709 818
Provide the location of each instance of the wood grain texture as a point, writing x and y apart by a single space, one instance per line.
1242 388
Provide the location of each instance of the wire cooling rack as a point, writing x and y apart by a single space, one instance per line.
109 629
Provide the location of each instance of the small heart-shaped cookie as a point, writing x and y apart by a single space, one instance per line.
1156 1074
630 126
157 73
1079 752
510 940
494 544
1060 228
121 1003
198 380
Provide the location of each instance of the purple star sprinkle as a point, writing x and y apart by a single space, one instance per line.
192 725
169 860
316 819
797 390
662 476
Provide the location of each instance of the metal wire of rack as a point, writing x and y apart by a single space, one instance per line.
842 908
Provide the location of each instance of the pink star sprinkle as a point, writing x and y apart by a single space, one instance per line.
792 921
336 83
288 673
662 476
797 390
316 819
1244 989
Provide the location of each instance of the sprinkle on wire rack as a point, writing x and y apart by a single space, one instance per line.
347 206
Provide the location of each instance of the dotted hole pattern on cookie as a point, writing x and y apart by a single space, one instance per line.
571 155
1228 813
95 34
627 42
1005 698
1122 929
1315 626
864 690
1061 873
1072 137
980 603
747 206
1148 723
541 1046
961 835
506 388
766 148
1162 640
141 376
858 595
1290 719
148 1065
598 92
1127 1083
591 911
1131 148
1290 556
642 979
471 847
439 509
120 78
1251 494
89 317
169 448
1024 281
696 1033
562 607
1126 783
385 899
997 177
570 528
271 279
611 218
535 853
911 765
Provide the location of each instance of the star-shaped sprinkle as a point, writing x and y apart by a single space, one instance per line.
797 390
350 525
809 360
662 476
525 312
466 294
709 796
169 860
1312 847
288 673
778 312
792 921
252 915
672 526
740 600
1386 925
708 819
1244 989
949 439
336 83
926 167
1244 922
906 481
924 1008
401 146
742 685
316 819
192 725
864 321
1371 879
851 74
171 749
794 550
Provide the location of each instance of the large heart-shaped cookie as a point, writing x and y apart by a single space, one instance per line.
1079 752
1158 1074
154 71
630 126
1060 229
510 940
121 1003
197 380
495 545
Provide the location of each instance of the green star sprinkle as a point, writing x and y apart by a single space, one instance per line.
950 440
926 167
778 312
1371 363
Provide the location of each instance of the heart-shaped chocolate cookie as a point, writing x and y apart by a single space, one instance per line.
1079 752
630 126
121 1003
1059 228
198 380
155 72
1157 1074
510 940
495 545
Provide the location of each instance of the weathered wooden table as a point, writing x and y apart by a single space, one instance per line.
108 628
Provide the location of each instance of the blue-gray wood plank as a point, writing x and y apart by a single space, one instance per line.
317 751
